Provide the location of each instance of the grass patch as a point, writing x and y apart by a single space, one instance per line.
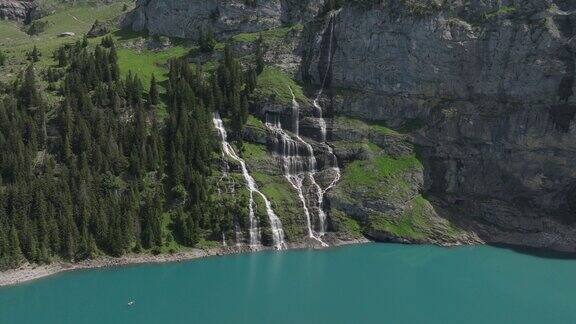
361 150
274 85
170 244
146 62
360 125
255 122
267 35
285 203
371 172
254 152
408 226
415 223
275 188
345 224
205 245
383 130
76 19
504 10
379 178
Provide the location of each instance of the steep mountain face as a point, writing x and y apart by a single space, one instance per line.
483 90
187 18
17 10
492 89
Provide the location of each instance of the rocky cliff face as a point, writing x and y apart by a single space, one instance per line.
187 18
490 89
17 10
484 90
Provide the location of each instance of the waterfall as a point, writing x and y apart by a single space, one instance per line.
319 191
275 223
238 234
299 163
295 164
323 128
238 237
321 121
329 62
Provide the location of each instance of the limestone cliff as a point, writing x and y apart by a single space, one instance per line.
187 18
490 88
483 89
17 10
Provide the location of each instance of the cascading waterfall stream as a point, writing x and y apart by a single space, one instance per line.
231 190
295 167
275 223
319 191
322 122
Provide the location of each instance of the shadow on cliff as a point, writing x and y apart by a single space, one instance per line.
536 252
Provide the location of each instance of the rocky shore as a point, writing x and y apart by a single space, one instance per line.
28 272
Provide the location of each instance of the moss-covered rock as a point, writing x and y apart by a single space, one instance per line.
380 193
255 131
356 130
417 223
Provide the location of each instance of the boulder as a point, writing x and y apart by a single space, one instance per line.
98 29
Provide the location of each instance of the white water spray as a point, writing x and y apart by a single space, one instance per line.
323 127
295 167
275 223
319 191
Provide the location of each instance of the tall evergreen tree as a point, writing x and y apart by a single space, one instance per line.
153 96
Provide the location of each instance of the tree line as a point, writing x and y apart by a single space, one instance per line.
100 172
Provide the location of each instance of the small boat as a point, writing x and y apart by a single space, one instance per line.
131 303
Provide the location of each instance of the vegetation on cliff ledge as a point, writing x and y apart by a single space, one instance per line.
274 85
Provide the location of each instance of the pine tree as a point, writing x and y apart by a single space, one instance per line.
153 92
113 60
34 55
2 58
207 42
62 57
14 245
113 158
260 55
28 96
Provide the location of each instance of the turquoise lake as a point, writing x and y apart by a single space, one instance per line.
372 283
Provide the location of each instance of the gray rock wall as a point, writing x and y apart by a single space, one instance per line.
494 94
17 10
186 18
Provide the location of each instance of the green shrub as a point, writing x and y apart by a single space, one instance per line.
207 42
275 85
37 27
504 10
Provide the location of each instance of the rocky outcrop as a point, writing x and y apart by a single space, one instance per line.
487 92
98 29
188 18
17 10
381 188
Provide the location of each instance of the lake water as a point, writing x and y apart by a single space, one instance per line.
373 283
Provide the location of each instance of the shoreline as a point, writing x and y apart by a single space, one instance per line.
31 272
